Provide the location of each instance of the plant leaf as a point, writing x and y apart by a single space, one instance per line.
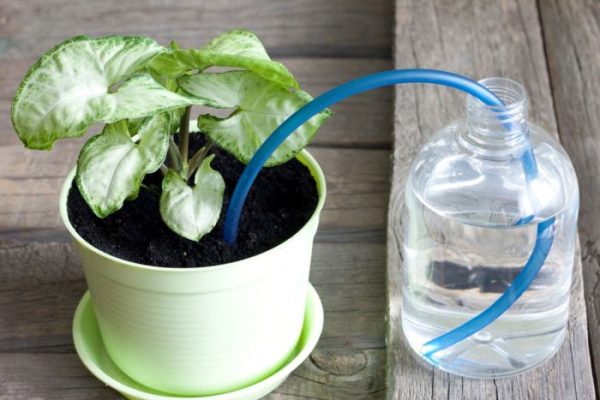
192 212
171 84
111 166
238 48
69 88
175 119
157 71
64 91
141 96
260 107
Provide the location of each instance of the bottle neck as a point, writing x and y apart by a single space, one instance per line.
497 132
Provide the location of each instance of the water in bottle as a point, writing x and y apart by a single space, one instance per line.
469 227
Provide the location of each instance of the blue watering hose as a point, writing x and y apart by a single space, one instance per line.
545 234
543 243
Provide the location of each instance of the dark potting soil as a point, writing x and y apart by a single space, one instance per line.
281 201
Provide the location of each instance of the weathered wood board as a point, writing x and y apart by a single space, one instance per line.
363 121
39 295
324 44
356 198
335 29
479 39
549 45
572 37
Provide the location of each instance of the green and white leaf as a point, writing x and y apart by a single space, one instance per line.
134 125
159 71
141 96
70 88
170 83
238 48
260 106
192 212
65 91
111 166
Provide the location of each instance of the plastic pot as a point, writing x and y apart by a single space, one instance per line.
201 331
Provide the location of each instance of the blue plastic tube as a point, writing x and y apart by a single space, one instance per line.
388 78
543 243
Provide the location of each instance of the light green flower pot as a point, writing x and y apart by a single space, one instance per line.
201 331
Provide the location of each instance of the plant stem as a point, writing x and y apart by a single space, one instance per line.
164 169
184 135
174 154
197 158
151 189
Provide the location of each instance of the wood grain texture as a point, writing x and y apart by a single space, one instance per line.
36 351
30 184
572 37
299 28
42 281
290 29
31 180
49 376
39 293
323 44
363 121
478 39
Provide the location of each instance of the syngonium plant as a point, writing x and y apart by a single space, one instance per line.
143 92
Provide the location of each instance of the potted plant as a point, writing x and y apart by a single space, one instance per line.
144 203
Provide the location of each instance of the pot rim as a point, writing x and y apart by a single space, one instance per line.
304 157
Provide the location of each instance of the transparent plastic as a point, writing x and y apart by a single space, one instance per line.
464 240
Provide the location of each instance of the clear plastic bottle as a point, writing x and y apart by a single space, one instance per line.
462 245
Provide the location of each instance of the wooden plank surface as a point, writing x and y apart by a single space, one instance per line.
289 29
362 121
39 297
31 182
323 44
42 282
301 28
572 36
479 39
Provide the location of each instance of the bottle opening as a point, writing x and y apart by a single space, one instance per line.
497 130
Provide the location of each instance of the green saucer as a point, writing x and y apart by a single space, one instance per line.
91 351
